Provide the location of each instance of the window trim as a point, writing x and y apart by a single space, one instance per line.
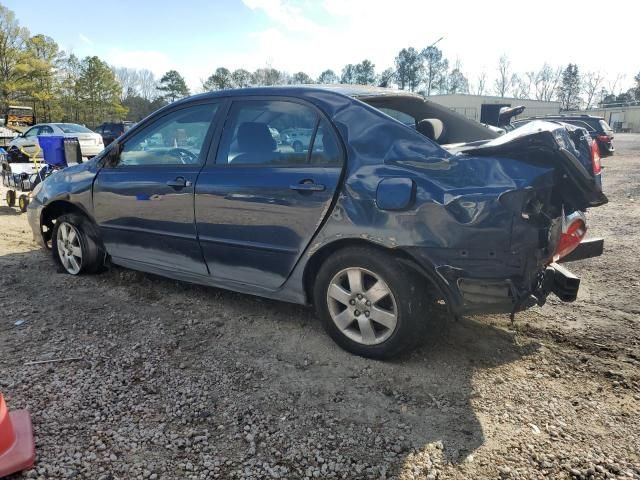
203 156
213 154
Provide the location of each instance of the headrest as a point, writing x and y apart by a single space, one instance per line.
431 128
255 137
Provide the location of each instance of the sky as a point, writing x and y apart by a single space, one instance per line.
197 36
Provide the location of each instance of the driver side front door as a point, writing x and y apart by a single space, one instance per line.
144 204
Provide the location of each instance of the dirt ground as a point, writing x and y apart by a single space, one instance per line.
170 380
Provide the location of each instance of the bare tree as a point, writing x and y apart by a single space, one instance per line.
129 80
519 87
503 82
591 85
613 84
546 82
148 85
481 83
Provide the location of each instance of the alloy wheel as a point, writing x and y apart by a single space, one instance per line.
69 248
362 306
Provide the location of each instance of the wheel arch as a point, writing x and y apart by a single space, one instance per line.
317 259
52 211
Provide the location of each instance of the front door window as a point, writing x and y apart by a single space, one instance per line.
175 139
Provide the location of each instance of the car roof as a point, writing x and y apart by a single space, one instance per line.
570 116
356 91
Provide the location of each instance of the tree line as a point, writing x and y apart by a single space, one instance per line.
34 71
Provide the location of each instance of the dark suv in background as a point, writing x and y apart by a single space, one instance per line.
597 127
112 130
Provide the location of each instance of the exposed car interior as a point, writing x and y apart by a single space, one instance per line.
436 122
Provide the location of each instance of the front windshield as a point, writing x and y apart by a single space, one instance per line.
72 128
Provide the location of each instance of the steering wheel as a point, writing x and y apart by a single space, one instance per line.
184 155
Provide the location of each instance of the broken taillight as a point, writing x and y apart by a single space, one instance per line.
572 234
595 158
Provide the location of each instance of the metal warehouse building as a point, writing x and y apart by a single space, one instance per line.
621 119
485 108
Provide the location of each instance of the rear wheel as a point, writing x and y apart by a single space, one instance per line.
23 202
75 244
370 303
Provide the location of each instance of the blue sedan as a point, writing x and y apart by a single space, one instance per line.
389 205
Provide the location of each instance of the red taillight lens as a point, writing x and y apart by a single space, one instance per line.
595 158
570 239
603 138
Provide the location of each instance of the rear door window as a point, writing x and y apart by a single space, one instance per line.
326 151
580 123
267 133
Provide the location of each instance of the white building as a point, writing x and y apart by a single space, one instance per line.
485 108
621 119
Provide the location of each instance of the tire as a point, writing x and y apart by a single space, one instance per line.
11 198
75 245
360 320
23 202
297 146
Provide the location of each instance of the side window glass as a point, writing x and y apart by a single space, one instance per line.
326 151
270 133
175 139
45 130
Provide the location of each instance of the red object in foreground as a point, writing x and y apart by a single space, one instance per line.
17 446
570 239
595 157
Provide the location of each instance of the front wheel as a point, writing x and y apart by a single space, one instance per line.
10 198
370 303
75 244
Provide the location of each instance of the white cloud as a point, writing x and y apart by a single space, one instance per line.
155 61
313 36
84 39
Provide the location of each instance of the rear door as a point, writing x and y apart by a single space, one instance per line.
260 203
144 204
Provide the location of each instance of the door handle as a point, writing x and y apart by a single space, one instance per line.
308 186
179 182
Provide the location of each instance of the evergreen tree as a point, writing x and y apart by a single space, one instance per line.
173 86
328 76
569 92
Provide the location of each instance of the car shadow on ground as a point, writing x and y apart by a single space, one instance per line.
270 365
428 392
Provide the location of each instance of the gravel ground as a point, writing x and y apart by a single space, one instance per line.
179 381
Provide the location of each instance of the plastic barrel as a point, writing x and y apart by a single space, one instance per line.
53 150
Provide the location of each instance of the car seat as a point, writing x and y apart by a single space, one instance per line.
256 144
432 128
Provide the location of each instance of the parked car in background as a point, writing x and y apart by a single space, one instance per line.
298 138
90 142
112 130
375 222
597 127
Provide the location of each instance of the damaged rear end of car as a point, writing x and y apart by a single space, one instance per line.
502 214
